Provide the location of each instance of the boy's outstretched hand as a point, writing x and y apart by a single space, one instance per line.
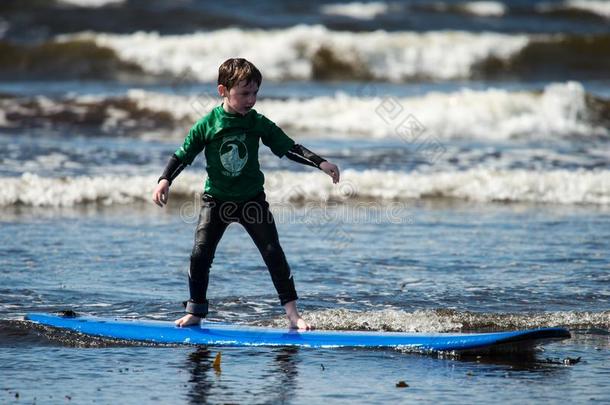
331 169
161 193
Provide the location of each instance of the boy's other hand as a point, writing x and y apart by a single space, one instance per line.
161 193
330 169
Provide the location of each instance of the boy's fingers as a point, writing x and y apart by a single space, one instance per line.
156 199
335 174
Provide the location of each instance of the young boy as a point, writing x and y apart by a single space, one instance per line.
229 136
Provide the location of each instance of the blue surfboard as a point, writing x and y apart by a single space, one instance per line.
224 334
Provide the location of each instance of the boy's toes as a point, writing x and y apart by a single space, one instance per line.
302 325
182 321
187 320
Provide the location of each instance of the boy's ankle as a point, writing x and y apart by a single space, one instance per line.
293 318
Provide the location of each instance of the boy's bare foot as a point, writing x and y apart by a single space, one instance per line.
296 322
300 324
187 320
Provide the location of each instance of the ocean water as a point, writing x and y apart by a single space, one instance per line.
474 144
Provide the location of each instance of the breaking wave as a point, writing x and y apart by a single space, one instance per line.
476 8
310 52
480 185
598 8
560 110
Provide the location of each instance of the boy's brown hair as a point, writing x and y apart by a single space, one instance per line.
234 70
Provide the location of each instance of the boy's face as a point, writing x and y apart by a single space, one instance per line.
241 98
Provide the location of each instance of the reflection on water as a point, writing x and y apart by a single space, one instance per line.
278 377
201 381
282 387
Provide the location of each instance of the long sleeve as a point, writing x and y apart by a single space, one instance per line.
193 144
301 154
172 170
275 138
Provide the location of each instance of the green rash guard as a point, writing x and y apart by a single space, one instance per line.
230 143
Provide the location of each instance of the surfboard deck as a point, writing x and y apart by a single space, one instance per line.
225 334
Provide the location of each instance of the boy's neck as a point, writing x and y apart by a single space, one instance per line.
227 108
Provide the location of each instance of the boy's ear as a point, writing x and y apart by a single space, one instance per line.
222 91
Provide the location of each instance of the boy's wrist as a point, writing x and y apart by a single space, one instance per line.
172 170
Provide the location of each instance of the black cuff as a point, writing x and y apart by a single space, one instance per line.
193 308
172 170
290 294
301 154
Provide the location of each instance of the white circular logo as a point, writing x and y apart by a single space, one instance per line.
233 155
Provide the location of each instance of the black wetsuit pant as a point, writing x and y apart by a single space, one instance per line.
255 217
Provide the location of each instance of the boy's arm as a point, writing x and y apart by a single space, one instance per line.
193 144
184 156
301 154
172 169
281 144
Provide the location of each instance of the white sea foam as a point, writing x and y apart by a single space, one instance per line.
599 7
4 26
3 121
478 8
91 3
181 107
482 185
356 10
560 110
291 53
491 114
34 190
495 114
484 8
436 321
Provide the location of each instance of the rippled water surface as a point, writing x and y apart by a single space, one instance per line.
447 267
